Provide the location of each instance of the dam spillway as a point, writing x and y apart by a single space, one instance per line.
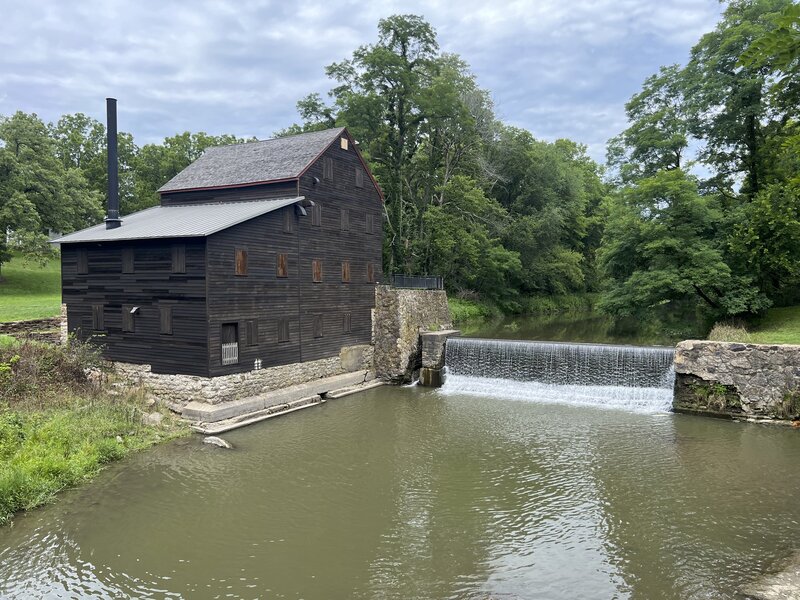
638 378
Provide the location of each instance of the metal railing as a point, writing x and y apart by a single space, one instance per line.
418 283
230 353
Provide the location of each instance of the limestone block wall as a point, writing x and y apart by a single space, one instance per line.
752 380
400 315
43 330
181 389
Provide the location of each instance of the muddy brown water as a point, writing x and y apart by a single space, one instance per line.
411 493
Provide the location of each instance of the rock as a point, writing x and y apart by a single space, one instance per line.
153 418
119 439
151 402
783 585
215 441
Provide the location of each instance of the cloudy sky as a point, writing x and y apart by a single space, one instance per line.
560 68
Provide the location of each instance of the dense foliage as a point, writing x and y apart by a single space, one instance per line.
697 207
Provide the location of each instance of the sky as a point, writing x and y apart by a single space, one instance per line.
559 68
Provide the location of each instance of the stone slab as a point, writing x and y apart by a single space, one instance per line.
336 394
211 413
256 417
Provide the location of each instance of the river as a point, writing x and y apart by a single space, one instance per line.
413 493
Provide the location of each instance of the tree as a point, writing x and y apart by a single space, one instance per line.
37 192
660 247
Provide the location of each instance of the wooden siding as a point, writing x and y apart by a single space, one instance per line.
286 189
152 284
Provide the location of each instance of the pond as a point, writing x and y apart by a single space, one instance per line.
414 493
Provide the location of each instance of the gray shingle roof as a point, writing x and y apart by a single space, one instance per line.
179 221
253 162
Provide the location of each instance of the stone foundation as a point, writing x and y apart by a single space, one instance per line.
181 389
737 380
433 355
43 330
400 315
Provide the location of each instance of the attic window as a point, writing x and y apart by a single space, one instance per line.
344 143
359 177
327 168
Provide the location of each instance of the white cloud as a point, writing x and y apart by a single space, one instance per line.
561 69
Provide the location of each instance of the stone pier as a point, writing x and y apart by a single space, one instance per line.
433 354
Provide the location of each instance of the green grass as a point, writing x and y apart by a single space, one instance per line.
29 291
777 326
468 310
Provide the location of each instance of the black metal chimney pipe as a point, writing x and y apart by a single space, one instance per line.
112 218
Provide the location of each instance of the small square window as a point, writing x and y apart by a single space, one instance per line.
241 261
283 266
346 272
283 330
127 260
344 143
316 271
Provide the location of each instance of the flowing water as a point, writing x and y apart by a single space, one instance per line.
410 493
636 378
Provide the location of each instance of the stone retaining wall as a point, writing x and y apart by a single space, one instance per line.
44 330
731 379
181 389
400 315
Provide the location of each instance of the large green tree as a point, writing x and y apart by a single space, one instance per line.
38 193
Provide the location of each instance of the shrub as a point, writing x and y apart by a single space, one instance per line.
729 332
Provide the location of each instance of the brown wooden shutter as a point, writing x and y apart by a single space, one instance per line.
283 330
317 323
316 271
83 262
359 177
241 261
283 267
346 272
370 273
127 260
166 319
179 258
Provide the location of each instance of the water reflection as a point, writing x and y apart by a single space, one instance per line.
406 493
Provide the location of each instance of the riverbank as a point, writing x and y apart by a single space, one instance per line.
61 421
776 326
470 310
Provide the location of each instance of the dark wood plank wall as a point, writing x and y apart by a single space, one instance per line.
150 285
260 295
331 298
286 189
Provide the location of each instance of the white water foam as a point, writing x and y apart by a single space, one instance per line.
648 400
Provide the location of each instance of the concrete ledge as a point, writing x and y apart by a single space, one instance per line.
212 413
336 394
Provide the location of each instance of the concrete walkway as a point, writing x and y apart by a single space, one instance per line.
212 419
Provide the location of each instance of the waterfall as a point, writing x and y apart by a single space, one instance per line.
638 378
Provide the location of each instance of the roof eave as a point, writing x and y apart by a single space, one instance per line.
227 187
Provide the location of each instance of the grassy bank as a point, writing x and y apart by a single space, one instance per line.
57 428
466 310
29 291
776 326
